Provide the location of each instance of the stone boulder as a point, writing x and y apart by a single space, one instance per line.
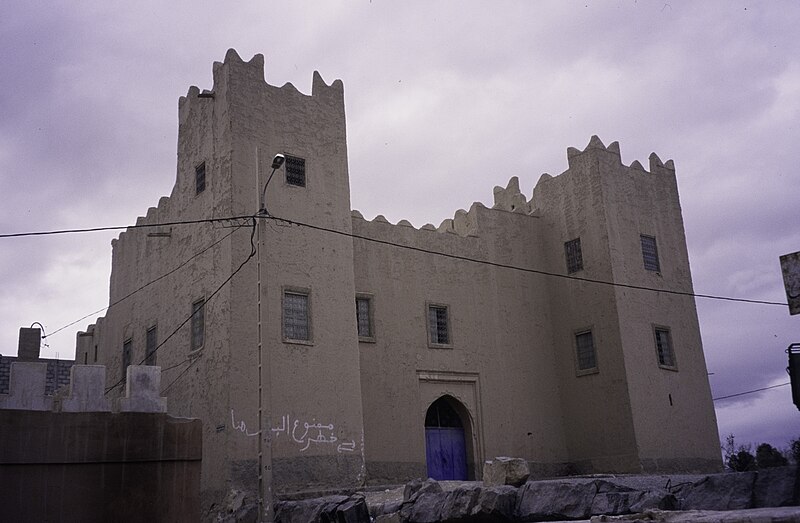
582 498
617 499
496 504
505 471
330 509
420 486
386 507
422 501
549 500
425 501
428 503
459 503
424 507
394 517
655 500
776 487
730 491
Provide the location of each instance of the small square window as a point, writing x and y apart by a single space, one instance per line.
666 356
585 352
127 354
296 317
200 178
198 324
150 346
295 171
650 253
364 318
438 325
572 250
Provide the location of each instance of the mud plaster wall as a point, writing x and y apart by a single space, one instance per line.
338 411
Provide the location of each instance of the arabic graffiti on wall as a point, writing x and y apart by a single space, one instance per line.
305 433
241 426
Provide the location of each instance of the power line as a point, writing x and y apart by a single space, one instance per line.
350 235
751 391
179 376
386 242
121 227
165 369
210 297
523 269
98 311
356 236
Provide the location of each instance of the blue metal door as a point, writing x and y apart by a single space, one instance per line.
446 453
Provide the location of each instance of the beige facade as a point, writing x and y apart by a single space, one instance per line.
540 356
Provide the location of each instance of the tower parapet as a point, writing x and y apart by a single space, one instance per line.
511 199
596 146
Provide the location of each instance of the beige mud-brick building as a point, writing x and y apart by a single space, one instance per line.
389 352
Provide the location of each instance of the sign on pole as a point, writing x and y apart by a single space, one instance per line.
790 266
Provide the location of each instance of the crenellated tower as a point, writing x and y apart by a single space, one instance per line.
313 414
622 225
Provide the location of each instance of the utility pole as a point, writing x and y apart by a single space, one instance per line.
266 513
266 509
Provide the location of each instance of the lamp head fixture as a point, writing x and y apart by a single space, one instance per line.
277 161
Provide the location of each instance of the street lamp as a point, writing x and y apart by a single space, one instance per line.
277 161
266 513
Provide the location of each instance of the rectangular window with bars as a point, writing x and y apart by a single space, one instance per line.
572 250
150 346
364 318
584 348
666 356
127 354
438 325
198 324
650 253
296 316
200 178
295 171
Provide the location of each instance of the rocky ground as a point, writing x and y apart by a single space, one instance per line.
769 495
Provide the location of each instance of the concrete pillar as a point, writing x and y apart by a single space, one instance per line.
87 390
30 339
26 388
143 390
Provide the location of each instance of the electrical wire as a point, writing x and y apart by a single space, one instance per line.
264 215
120 227
165 369
176 269
250 257
518 268
210 297
386 242
751 391
179 376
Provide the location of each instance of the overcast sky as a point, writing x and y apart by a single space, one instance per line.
444 101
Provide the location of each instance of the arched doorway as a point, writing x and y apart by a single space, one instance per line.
445 441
